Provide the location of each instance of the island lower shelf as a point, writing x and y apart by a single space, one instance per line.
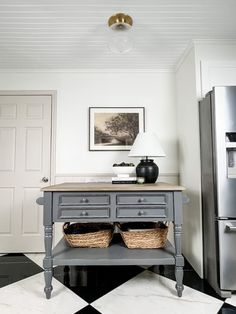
115 254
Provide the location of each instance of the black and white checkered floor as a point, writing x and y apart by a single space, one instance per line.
104 290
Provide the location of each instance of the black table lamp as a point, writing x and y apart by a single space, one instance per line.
147 145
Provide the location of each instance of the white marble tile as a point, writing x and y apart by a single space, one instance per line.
151 293
37 258
27 297
231 300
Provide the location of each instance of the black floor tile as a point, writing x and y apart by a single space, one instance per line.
88 310
13 258
164 270
92 282
227 309
14 267
192 280
169 270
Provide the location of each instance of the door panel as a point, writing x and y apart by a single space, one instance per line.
7 111
33 158
6 212
25 145
227 257
8 143
30 212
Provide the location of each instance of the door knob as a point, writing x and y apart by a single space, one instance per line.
141 200
84 213
45 179
141 213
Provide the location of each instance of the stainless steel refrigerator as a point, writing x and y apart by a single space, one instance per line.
218 182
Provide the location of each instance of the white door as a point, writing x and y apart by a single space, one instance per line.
25 154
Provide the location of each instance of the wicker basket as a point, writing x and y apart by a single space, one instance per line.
146 239
91 239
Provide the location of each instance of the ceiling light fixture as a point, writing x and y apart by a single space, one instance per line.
121 40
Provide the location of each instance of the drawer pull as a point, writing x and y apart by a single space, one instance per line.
142 199
141 213
84 200
84 213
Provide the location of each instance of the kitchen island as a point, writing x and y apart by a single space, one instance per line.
112 203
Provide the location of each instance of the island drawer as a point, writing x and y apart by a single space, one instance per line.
142 212
83 199
142 199
68 213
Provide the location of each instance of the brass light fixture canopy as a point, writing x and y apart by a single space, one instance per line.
120 21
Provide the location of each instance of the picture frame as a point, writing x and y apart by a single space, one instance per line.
114 128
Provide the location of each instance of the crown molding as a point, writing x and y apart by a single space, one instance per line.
194 43
186 52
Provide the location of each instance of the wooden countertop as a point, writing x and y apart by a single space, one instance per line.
109 187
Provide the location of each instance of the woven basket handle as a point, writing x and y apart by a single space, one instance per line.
65 226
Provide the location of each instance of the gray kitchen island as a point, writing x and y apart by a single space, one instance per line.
113 203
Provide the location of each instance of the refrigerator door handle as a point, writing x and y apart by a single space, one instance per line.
230 227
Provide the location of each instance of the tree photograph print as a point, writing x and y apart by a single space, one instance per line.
114 128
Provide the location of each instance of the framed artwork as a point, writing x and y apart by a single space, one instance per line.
114 128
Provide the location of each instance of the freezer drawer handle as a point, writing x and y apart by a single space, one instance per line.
230 227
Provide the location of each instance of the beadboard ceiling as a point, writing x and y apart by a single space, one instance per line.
73 34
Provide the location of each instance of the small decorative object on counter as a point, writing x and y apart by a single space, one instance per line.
125 173
123 169
92 235
144 235
140 180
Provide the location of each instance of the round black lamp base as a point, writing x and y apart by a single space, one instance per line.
148 170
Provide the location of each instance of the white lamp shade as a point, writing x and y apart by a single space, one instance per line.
146 144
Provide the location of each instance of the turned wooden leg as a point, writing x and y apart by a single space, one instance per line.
47 262
179 260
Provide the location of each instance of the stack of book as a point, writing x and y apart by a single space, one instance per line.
123 179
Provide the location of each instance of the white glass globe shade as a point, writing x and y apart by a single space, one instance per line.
120 42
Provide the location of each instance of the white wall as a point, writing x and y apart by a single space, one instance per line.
189 162
204 66
77 91
215 66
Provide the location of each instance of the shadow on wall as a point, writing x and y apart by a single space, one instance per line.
192 232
